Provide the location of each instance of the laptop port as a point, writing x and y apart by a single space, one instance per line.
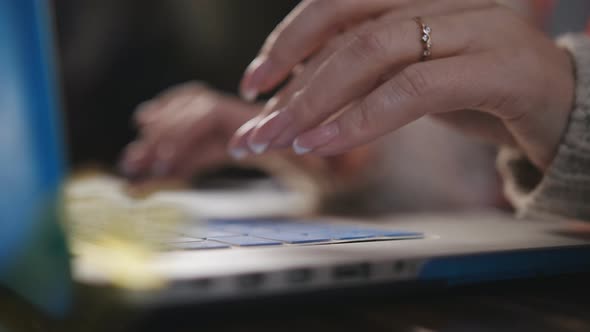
299 276
202 283
351 272
253 280
399 267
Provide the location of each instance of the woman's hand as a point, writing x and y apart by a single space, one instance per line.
184 130
491 74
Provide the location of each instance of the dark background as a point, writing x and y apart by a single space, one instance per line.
115 54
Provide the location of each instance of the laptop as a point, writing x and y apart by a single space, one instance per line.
238 256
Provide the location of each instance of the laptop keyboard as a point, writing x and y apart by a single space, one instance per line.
228 233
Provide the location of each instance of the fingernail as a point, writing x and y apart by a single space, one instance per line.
300 150
250 95
160 168
240 139
316 138
247 127
238 147
269 129
255 76
128 169
130 164
238 153
164 155
259 148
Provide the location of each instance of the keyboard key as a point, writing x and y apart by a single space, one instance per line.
351 235
399 234
292 238
360 234
212 233
247 241
200 245
235 229
294 232
185 239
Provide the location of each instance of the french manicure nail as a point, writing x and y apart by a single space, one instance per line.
300 150
247 127
238 153
250 95
256 75
269 129
316 138
258 148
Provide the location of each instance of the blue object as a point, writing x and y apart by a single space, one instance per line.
199 245
265 232
247 241
33 255
292 238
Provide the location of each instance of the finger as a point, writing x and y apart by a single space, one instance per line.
183 136
133 159
302 32
147 112
207 118
299 80
420 7
207 156
427 88
238 146
356 70
282 97
140 162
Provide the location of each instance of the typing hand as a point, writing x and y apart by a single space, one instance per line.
359 76
183 131
186 129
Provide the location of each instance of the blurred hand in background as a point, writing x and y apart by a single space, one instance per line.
183 131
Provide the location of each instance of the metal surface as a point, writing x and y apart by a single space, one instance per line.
220 274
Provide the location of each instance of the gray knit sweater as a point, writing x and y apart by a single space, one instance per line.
564 190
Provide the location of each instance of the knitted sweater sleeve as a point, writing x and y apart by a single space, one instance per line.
564 190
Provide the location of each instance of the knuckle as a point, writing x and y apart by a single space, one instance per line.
304 110
411 82
335 44
369 46
317 7
327 8
192 87
363 118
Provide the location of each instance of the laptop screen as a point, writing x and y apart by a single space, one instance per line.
33 255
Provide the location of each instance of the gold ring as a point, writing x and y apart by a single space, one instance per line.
425 38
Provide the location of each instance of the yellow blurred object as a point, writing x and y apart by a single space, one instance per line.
117 232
